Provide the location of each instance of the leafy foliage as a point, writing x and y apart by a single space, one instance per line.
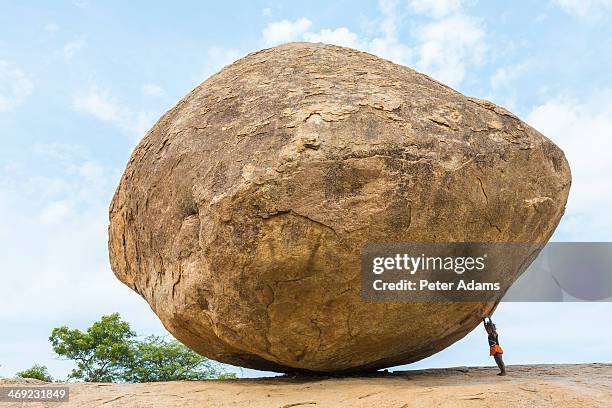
37 371
101 353
109 352
159 359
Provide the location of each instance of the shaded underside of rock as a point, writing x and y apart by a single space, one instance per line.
241 214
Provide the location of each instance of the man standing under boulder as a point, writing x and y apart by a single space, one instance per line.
495 349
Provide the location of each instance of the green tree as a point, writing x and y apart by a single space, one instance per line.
158 359
102 353
37 371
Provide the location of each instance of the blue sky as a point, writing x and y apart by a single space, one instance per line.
81 82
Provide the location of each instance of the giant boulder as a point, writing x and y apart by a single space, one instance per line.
241 214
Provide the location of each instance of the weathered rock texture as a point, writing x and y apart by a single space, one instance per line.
546 386
242 212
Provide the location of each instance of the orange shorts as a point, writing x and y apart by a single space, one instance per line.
496 349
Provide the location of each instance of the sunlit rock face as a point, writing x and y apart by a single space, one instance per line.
241 214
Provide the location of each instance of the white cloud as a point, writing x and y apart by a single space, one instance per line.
139 123
503 87
283 31
220 57
339 36
585 8
391 49
15 86
447 46
58 152
98 104
266 12
71 48
385 45
55 254
102 106
152 90
56 211
444 47
504 76
583 129
436 8
52 27
53 235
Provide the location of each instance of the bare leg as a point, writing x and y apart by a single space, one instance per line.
500 363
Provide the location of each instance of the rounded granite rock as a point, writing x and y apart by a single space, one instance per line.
241 214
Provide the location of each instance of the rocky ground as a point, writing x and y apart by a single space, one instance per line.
584 385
